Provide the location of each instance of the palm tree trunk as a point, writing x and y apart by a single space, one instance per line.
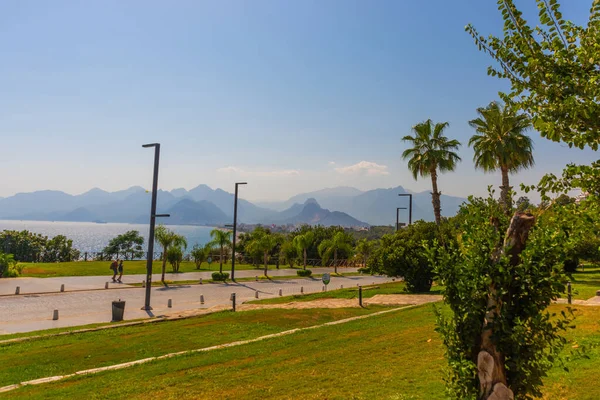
221 260
304 258
265 260
164 264
435 197
505 199
335 261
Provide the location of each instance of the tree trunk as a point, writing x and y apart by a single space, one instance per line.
266 255
221 260
164 265
304 258
335 261
435 197
505 189
490 362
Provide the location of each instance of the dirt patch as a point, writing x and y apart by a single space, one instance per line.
379 299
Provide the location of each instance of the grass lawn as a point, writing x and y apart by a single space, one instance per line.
315 277
58 355
94 268
349 293
391 356
585 283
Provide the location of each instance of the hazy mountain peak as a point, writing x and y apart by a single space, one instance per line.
311 200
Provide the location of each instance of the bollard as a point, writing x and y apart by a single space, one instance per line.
233 301
256 278
201 299
55 315
322 290
143 283
18 290
280 292
341 286
231 297
170 303
301 289
569 291
200 281
256 294
393 279
62 287
106 285
360 296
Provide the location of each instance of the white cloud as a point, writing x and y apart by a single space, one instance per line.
267 173
331 162
364 168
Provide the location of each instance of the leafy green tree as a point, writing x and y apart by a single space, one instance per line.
221 239
25 246
501 144
364 248
431 152
302 243
200 254
289 252
128 244
175 256
265 244
167 239
329 247
59 249
8 266
523 203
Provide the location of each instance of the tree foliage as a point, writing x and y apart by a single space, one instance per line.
129 245
501 144
431 152
220 239
168 239
27 246
330 247
553 70
200 254
8 266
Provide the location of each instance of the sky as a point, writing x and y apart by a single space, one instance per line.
290 96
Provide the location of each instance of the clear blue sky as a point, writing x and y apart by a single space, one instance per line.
288 95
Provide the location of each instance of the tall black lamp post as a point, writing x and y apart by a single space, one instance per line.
409 206
235 201
153 216
398 216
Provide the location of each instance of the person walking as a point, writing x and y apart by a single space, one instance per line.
120 271
114 266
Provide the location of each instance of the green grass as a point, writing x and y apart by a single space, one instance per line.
58 355
348 293
315 277
392 356
95 268
584 284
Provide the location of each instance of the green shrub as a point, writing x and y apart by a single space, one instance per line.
304 272
220 276
9 267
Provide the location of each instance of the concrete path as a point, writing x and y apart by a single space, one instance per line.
74 283
34 312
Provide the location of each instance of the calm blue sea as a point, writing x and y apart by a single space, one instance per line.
90 236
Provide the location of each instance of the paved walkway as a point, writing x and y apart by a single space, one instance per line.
74 283
34 312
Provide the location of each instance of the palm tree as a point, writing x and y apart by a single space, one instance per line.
167 238
221 239
303 242
264 243
365 247
431 152
501 144
339 241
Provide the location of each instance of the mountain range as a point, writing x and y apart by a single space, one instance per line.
203 205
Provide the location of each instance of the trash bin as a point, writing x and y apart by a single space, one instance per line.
118 309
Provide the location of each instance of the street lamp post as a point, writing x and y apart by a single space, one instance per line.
153 216
235 202
397 216
409 206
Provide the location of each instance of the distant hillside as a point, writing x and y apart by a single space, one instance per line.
312 214
190 212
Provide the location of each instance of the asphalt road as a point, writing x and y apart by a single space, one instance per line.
26 313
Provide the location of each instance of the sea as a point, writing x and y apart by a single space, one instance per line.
93 237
